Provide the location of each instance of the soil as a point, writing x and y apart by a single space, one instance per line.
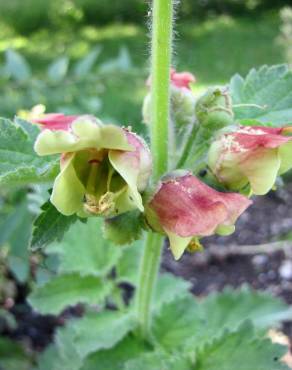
269 218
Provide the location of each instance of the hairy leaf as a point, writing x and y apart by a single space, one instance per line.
67 290
19 164
202 320
83 249
115 358
97 331
169 288
50 226
125 228
241 350
159 361
128 265
270 88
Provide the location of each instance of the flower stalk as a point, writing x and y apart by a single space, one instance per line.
161 48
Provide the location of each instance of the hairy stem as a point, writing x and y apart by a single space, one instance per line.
148 275
162 23
160 75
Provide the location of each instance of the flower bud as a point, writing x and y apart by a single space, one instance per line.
252 156
182 99
103 167
214 109
184 208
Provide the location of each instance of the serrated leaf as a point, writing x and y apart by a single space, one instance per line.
230 308
169 287
84 250
50 226
97 331
159 361
85 65
127 268
177 322
57 70
19 164
67 290
203 320
115 358
125 228
16 66
268 87
241 350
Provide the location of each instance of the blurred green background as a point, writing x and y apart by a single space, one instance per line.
88 56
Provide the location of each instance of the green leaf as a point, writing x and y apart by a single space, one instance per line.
12 356
115 358
127 268
58 69
169 288
178 322
241 350
85 65
67 290
97 331
50 226
268 87
84 250
125 228
231 307
19 164
16 66
159 361
201 320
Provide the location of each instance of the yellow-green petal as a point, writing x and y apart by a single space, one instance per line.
129 173
261 169
285 152
177 243
68 191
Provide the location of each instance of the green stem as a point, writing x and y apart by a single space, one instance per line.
162 24
148 276
188 146
160 75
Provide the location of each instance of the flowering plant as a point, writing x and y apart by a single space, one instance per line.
208 154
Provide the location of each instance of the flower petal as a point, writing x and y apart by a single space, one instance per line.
261 168
86 133
177 244
285 152
68 191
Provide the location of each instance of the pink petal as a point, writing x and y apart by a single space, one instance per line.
250 138
182 79
55 121
188 207
178 79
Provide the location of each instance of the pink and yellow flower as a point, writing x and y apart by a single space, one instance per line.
251 155
103 168
184 208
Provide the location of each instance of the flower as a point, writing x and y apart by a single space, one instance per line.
251 155
103 168
182 99
184 208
